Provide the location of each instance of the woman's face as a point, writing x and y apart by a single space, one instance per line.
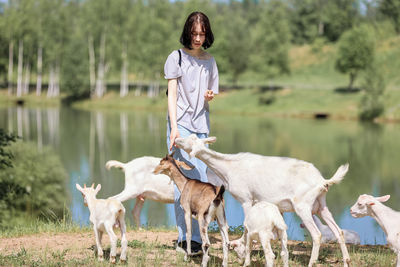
198 36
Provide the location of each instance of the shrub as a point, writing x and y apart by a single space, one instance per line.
371 105
34 185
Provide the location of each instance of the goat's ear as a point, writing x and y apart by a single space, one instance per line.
184 165
210 140
98 187
383 198
79 187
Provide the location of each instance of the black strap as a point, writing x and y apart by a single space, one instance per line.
180 58
179 63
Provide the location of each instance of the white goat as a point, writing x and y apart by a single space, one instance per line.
105 214
261 222
141 183
388 219
291 184
202 201
350 236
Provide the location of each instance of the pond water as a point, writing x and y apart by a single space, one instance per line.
86 140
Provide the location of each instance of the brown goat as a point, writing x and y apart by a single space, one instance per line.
203 201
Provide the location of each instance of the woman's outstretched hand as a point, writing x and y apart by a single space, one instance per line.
209 95
174 134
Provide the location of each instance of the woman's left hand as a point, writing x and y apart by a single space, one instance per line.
209 95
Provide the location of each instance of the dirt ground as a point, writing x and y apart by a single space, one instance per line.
78 245
81 246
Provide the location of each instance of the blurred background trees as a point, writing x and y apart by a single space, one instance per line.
77 47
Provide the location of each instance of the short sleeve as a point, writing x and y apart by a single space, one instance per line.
171 68
214 79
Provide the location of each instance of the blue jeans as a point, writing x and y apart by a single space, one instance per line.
198 173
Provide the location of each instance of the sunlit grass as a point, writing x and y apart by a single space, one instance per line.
157 253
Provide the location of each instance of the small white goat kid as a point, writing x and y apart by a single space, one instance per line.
105 214
350 236
141 183
291 184
261 222
388 219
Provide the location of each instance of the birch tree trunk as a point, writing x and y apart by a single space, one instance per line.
19 121
10 67
25 87
101 68
124 73
92 71
39 129
138 90
50 87
57 80
20 62
39 71
124 133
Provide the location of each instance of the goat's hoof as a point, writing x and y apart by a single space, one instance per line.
112 259
100 258
122 261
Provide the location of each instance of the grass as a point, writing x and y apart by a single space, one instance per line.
159 250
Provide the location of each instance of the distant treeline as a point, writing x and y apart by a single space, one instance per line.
77 46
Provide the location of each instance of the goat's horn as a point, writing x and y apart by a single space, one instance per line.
92 185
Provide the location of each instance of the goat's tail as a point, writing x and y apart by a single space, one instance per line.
219 195
338 176
116 164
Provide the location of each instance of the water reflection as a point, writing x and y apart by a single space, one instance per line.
86 140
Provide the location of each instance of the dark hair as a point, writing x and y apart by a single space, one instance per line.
186 36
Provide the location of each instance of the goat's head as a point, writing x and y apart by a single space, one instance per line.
240 249
192 144
88 192
167 163
364 202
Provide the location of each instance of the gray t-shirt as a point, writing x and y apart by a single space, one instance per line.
195 76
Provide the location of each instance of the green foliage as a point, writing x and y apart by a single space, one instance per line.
75 71
234 56
355 52
391 9
304 18
252 38
5 156
271 39
339 16
371 105
37 183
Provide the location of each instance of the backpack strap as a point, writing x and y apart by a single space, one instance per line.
180 58
179 63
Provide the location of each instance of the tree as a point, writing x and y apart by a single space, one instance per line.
339 16
304 18
234 54
270 40
371 105
355 52
391 9
75 66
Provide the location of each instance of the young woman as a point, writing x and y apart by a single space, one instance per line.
192 77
